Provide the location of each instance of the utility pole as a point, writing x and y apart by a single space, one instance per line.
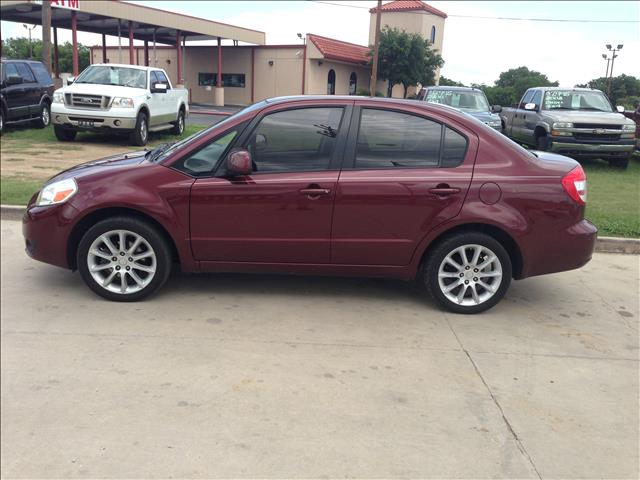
376 45
46 35
30 44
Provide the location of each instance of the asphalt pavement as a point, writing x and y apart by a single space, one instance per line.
241 376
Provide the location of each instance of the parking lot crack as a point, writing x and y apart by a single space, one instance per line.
506 421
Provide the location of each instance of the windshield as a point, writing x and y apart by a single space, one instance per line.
172 148
575 100
473 101
121 76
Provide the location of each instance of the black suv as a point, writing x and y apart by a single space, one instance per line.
25 93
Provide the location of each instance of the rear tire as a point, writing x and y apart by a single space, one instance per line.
45 116
142 257
64 134
140 134
471 284
178 126
1 121
622 163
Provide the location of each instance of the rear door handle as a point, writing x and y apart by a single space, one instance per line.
444 191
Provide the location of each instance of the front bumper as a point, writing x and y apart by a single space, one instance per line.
83 119
571 147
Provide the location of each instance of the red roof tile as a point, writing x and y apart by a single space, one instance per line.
409 6
333 49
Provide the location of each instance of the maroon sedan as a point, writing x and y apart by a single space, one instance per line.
321 185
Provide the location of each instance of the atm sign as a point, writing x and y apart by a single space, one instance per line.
68 4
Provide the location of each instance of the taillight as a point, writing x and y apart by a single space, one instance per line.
575 184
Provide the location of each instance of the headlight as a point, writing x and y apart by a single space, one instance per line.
57 192
629 128
58 97
122 102
562 125
493 123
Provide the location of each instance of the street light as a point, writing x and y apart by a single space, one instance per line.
613 58
30 44
604 55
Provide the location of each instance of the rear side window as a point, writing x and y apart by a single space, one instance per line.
25 73
389 139
295 140
41 74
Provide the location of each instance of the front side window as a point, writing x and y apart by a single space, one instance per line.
526 98
204 160
388 139
537 97
109 75
162 78
295 140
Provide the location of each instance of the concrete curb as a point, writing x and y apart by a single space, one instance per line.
208 112
603 244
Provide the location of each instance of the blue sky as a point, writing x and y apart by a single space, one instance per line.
475 50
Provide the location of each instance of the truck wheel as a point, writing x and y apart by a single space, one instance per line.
467 273
178 126
140 134
542 143
1 121
622 163
45 116
64 134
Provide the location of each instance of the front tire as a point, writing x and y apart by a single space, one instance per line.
140 134
542 143
622 163
64 134
45 116
178 126
468 272
1 121
142 259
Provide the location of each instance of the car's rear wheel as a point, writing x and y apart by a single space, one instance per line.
178 126
123 259
620 162
468 272
45 116
1 121
64 134
140 134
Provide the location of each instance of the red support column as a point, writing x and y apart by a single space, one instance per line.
146 53
179 52
131 54
219 73
104 48
304 66
74 41
56 53
253 73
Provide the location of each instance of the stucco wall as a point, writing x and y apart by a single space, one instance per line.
317 76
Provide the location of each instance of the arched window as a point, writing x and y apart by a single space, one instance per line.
331 82
433 34
353 83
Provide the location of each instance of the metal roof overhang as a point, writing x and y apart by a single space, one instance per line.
102 16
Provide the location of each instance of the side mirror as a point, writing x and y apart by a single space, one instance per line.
530 106
159 88
620 109
260 142
239 163
14 80
496 108
70 80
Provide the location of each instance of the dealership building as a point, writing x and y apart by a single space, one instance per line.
240 68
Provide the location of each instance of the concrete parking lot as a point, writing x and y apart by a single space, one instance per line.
243 376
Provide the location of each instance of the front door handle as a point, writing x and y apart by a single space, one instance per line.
444 191
315 192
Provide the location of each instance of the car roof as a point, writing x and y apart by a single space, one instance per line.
25 60
461 89
124 65
578 89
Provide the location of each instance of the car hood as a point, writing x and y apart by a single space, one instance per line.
605 118
484 116
108 90
102 164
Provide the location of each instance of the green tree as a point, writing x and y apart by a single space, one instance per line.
19 48
624 89
447 82
512 84
406 59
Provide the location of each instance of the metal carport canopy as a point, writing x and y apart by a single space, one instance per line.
102 16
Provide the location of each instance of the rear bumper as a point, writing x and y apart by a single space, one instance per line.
572 147
565 250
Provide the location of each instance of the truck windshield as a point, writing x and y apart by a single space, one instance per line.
473 101
576 100
107 75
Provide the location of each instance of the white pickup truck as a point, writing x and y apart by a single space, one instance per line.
114 98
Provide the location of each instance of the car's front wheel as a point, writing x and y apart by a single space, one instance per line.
64 134
468 272
123 259
622 163
140 134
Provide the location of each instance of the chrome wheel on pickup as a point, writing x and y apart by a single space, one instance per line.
140 134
